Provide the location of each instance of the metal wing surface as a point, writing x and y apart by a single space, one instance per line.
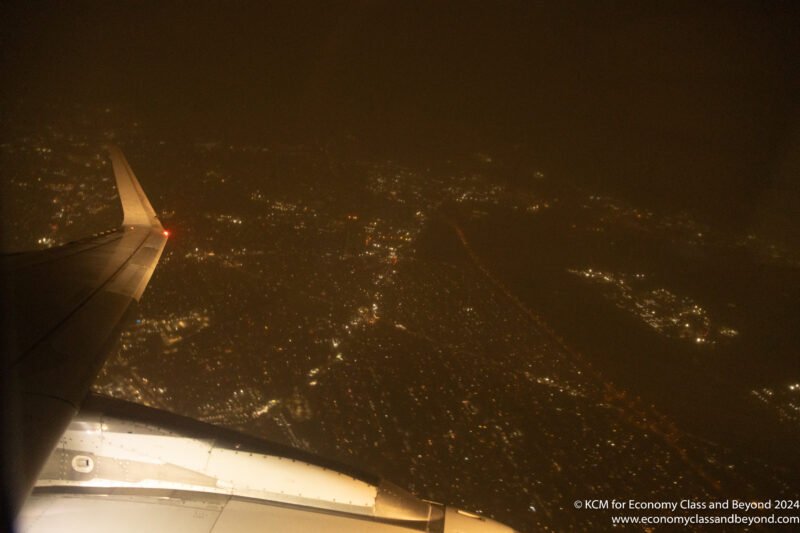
63 309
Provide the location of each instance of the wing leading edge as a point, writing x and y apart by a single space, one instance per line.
64 308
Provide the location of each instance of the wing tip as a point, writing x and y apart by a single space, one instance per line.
136 207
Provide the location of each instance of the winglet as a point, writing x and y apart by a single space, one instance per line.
136 207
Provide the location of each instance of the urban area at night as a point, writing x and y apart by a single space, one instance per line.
481 324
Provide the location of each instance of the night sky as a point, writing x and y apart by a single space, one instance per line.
683 104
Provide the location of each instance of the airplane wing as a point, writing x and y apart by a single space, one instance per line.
63 308
100 464
124 467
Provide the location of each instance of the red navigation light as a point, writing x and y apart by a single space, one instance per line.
166 233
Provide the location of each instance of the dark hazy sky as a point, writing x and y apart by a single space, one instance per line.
687 102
